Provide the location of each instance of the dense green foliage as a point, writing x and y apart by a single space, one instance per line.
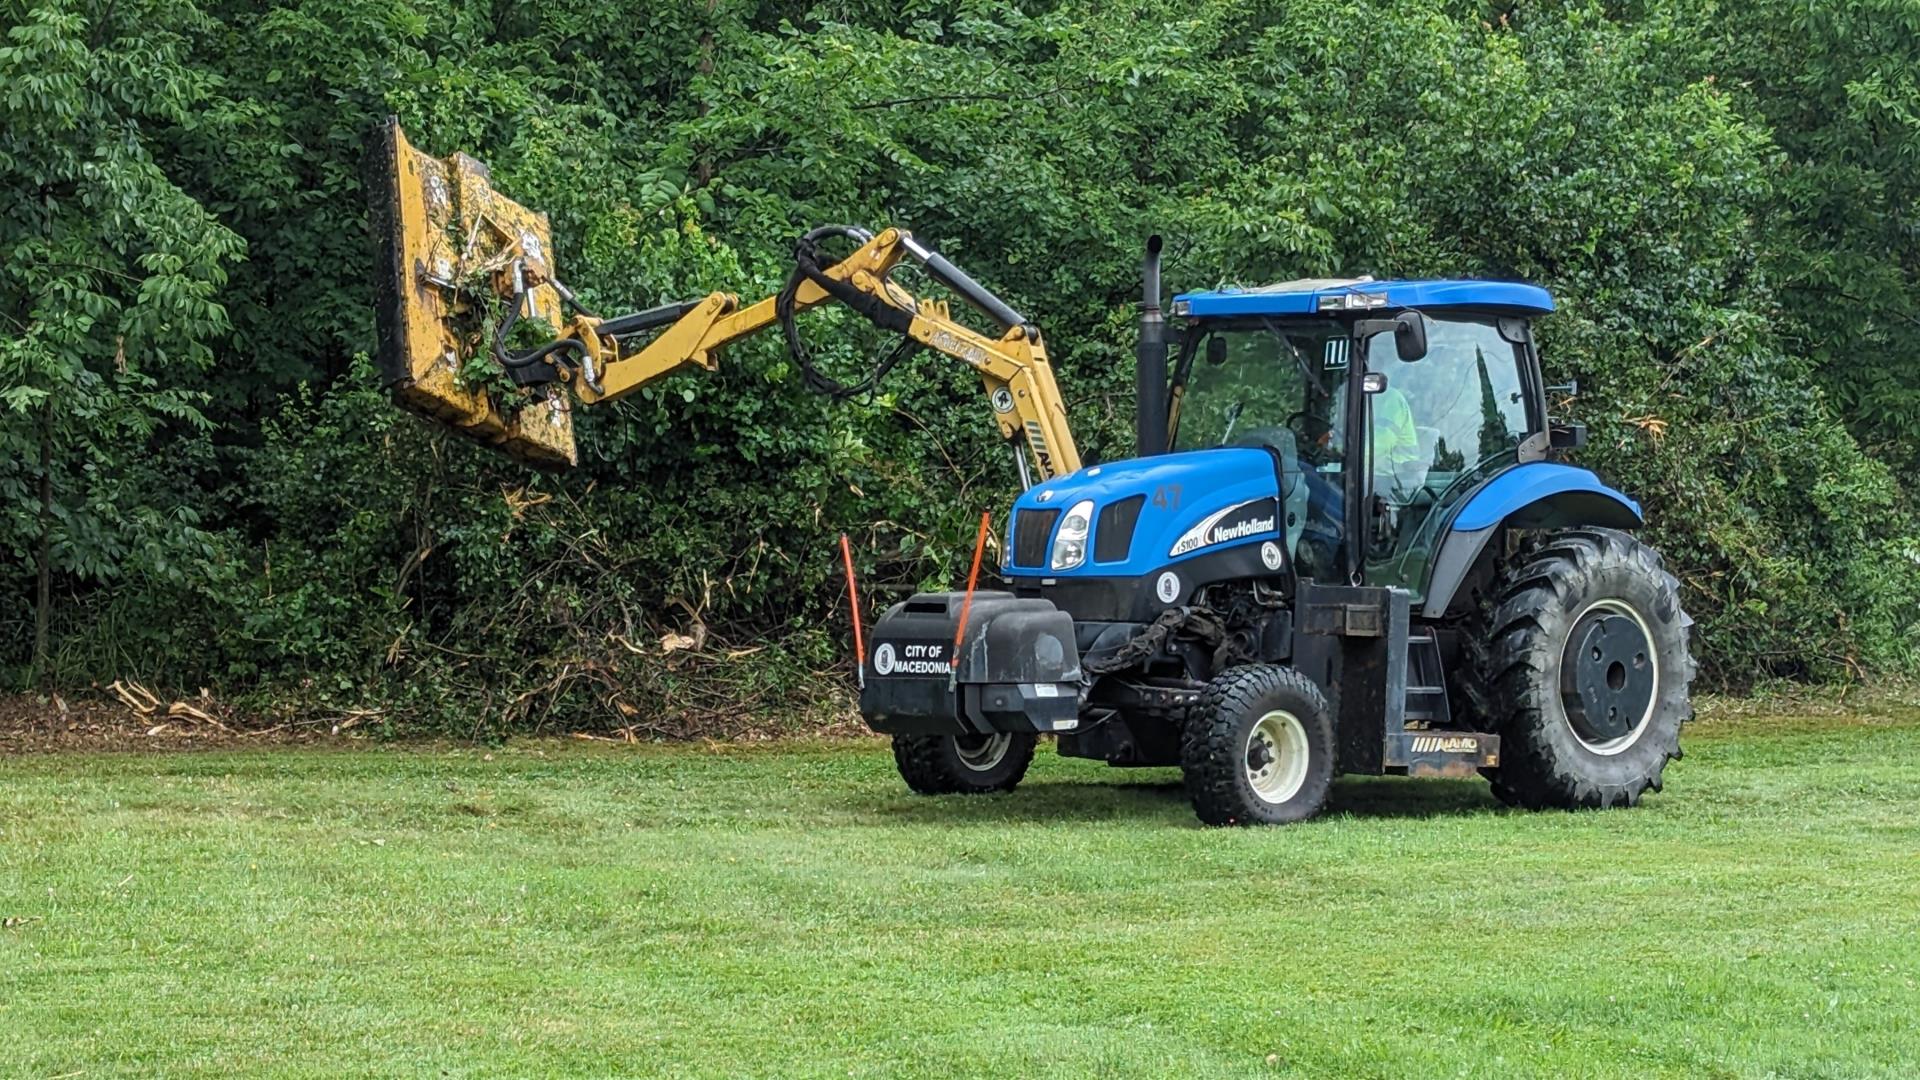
109 292
1722 201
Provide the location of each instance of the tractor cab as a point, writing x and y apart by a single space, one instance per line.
1439 378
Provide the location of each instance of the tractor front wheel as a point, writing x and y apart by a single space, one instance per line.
1258 748
1585 670
963 764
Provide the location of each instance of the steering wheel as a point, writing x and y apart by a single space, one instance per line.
1311 436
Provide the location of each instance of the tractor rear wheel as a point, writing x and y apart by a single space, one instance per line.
1581 664
963 764
1258 748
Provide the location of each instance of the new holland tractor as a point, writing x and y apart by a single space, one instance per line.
1344 546
1343 549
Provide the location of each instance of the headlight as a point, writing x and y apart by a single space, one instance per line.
1070 543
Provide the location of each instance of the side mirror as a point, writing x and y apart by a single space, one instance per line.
1410 335
1216 350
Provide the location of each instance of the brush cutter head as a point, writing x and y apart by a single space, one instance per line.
454 254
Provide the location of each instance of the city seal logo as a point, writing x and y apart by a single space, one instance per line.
1270 555
1168 587
911 658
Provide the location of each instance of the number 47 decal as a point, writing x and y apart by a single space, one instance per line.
1167 497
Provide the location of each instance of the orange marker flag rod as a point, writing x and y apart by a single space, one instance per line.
973 579
853 604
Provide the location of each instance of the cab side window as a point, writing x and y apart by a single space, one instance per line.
1445 421
1466 401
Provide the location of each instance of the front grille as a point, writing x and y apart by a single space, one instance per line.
1031 531
1114 533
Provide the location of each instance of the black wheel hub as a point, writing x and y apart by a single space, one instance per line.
1258 756
1607 676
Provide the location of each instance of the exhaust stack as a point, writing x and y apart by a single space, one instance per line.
1150 360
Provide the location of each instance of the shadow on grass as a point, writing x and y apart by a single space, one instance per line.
1400 797
1165 800
1048 802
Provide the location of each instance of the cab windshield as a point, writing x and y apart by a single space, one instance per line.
1271 383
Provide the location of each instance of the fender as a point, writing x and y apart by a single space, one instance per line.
1537 495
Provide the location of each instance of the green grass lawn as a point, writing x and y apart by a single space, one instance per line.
791 911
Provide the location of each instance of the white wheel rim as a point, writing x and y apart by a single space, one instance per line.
1276 756
1610 747
984 755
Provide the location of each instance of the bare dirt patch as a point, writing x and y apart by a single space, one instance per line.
129 717
100 719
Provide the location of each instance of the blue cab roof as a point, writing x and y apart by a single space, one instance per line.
1331 295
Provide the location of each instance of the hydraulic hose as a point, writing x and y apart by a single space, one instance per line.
807 266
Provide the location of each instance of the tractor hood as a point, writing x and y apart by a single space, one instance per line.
1150 512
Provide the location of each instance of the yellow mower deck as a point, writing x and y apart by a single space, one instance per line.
448 246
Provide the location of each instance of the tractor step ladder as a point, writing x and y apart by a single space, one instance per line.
1393 711
1426 684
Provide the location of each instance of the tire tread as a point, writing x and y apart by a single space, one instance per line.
930 767
1502 677
1210 747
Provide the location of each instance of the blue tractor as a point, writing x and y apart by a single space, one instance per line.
1345 547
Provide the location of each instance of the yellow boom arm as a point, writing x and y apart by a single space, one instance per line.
452 247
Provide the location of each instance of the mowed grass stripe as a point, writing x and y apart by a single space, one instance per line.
789 910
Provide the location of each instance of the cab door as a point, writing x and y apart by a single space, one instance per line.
1438 427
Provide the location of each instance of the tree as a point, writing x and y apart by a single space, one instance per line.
108 286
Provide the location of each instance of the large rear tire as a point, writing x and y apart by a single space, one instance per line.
1582 666
1258 748
963 764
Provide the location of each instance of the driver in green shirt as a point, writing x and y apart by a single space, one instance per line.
1398 464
